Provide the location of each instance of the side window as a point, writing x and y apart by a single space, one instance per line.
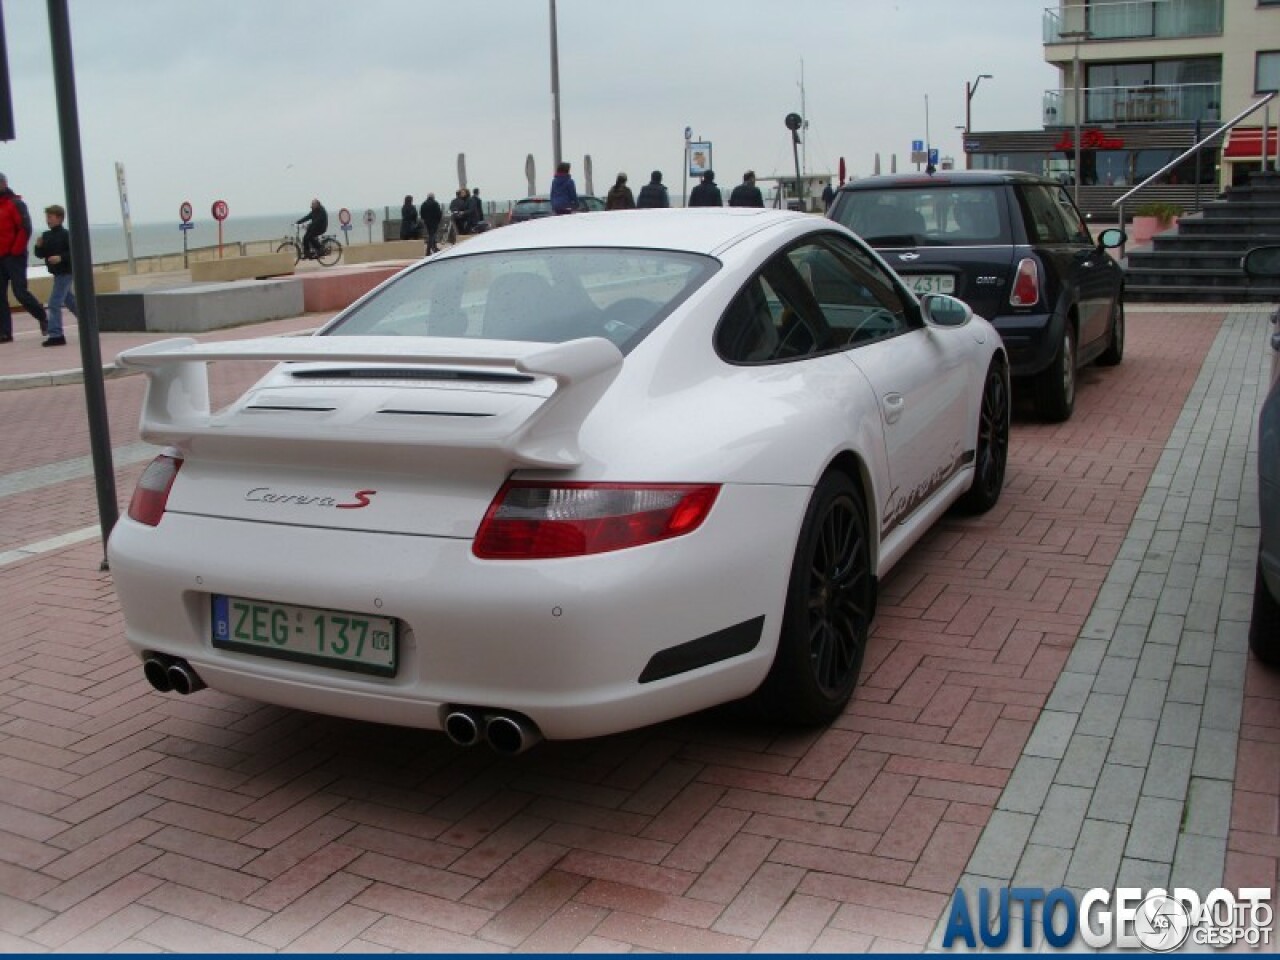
856 296
1073 223
1044 222
816 297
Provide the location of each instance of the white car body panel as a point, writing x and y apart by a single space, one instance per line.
265 506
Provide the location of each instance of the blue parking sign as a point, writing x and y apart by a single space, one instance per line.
917 146
933 156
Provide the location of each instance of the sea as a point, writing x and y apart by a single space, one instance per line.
155 239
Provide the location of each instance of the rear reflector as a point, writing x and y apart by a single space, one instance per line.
1026 285
532 520
152 492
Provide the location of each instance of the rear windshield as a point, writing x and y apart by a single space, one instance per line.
547 296
942 215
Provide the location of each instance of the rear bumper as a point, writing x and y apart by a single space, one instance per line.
1030 339
564 642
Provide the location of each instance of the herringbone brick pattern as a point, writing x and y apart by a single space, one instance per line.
134 821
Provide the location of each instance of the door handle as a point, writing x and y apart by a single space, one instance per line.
894 404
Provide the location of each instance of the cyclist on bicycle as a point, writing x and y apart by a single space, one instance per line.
319 218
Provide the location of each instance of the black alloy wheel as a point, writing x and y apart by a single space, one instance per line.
1056 387
1115 349
991 457
830 603
1264 625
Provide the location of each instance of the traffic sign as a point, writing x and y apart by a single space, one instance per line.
184 212
186 225
370 217
917 146
933 156
344 216
219 210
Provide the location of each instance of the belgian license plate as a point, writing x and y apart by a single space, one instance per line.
330 638
930 283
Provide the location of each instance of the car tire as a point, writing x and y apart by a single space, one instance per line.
1114 353
1264 626
827 617
991 455
1055 387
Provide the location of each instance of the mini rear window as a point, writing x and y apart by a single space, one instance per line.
943 215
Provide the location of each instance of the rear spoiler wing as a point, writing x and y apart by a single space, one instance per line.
176 408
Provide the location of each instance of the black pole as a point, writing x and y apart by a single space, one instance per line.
82 260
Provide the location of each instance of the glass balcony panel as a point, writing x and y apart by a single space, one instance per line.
1132 20
1148 103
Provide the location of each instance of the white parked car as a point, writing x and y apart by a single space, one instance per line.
562 481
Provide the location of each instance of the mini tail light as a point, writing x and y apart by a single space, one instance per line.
533 520
1026 284
152 492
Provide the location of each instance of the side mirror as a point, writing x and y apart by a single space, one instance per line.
1262 261
940 310
1112 238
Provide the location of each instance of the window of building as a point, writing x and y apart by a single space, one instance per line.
1267 73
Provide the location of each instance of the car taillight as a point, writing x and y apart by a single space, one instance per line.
152 492
534 520
1026 285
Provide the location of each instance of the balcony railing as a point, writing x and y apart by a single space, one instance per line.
1133 20
1167 103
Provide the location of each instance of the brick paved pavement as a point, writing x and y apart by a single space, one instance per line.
131 820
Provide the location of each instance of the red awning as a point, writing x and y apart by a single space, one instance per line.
1247 142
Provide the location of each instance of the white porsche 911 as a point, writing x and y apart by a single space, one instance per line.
571 477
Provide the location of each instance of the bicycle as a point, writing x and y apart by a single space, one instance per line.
330 247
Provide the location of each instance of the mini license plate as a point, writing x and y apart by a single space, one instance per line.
329 638
930 283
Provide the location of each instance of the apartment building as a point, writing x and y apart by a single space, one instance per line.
1139 79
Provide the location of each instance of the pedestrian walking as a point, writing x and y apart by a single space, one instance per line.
706 194
408 219
432 214
746 194
54 248
620 196
564 192
15 234
653 194
828 195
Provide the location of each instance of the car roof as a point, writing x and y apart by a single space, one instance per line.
698 230
946 178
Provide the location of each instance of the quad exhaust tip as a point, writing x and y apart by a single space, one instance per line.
167 674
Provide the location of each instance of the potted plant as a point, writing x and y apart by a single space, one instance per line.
1152 218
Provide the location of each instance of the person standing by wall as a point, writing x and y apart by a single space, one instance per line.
476 211
432 214
706 194
408 219
564 192
15 234
54 248
653 195
746 194
620 196
459 210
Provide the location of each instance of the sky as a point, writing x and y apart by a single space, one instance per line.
267 103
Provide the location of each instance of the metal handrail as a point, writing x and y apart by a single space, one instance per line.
1119 204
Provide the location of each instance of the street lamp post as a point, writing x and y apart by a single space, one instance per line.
555 92
970 88
1077 36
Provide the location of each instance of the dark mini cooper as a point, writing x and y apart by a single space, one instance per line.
1015 248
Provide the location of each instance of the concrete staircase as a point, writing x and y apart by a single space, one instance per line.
1199 260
